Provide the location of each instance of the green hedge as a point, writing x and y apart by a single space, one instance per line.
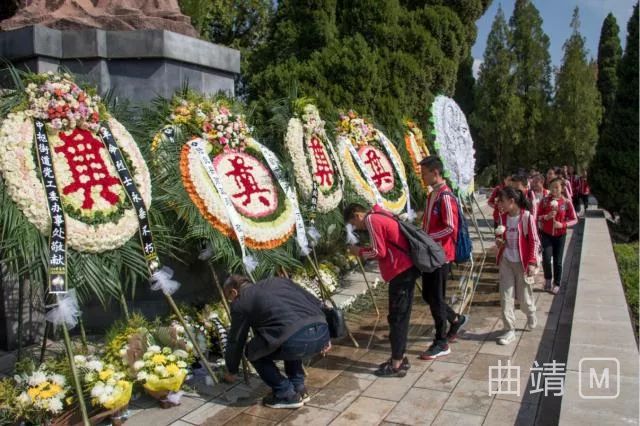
627 257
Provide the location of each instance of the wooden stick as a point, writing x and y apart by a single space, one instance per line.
364 275
74 374
196 347
43 348
20 314
123 306
83 334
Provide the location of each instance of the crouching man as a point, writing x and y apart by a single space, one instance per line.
288 324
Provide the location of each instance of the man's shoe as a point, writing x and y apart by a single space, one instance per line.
387 370
455 328
547 285
304 395
556 289
403 366
436 350
507 338
272 401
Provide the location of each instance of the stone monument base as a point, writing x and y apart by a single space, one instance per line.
137 65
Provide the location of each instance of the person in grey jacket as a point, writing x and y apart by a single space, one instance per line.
288 324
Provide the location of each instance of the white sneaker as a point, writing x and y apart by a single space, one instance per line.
507 338
532 322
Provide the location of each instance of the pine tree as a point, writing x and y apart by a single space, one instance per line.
577 108
609 53
614 170
465 84
380 58
499 113
530 45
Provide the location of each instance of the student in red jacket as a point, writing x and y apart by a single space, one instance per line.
555 215
521 183
390 247
517 241
506 181
539 191
440 221
583 191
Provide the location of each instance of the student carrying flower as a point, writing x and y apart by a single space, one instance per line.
517 241
555 215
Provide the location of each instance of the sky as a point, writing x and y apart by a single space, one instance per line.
556 16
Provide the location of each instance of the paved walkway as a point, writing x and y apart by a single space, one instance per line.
454 390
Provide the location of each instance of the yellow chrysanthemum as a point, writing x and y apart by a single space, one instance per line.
172 369
105 374
158 359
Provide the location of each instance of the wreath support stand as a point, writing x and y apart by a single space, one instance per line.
471 199
245 363
192 338
83 334
123 306
327 296
74 374
366 280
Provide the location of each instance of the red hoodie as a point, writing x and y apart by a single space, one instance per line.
583 186
442 214
528 244
388 245
566 215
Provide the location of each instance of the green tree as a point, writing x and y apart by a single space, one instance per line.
499 114
609 53
381 58
614 170
577 108
530 45
465 83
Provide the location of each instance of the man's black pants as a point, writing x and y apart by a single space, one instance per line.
401 290
434 285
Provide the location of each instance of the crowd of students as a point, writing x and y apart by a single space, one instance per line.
531 212
531 215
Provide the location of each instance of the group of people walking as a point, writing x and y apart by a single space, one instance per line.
531 212
531 216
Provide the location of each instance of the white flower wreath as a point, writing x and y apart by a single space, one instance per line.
260 235
18 167
453 142
359 134
298 138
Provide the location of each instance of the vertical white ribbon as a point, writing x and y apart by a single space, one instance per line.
276 168
405 186
236 222
363 170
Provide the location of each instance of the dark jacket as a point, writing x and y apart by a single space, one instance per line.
274 308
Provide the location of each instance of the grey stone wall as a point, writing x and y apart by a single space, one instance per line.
138 65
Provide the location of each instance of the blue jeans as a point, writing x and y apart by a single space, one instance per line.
305 343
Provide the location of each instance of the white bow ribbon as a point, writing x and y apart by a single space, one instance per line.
67 311
161 280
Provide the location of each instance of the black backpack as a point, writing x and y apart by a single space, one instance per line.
425 253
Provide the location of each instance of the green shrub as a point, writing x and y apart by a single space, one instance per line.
627 258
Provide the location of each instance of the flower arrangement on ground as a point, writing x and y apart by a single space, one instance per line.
162 371
371 163
108 386
309 280
42 395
